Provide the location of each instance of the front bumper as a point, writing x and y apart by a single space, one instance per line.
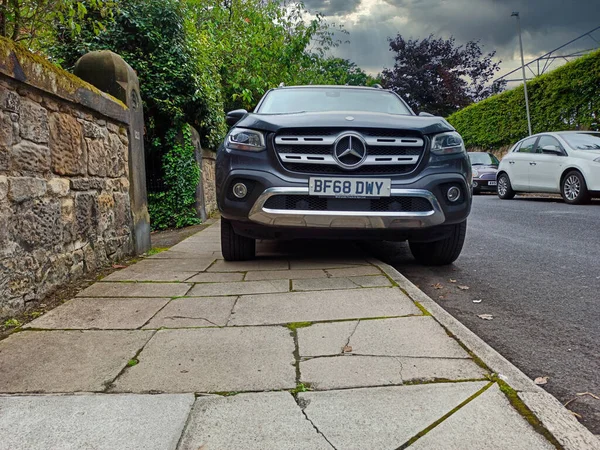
346 219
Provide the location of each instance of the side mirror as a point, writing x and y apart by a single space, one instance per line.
234 117
425 114
552 150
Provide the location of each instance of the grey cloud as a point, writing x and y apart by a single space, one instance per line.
546 25
332 7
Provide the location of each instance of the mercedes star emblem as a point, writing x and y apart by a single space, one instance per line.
350 150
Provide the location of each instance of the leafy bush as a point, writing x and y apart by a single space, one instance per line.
565 99
175 207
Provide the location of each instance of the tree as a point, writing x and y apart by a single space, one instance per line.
437 76
29 20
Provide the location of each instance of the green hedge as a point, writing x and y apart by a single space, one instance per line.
564 99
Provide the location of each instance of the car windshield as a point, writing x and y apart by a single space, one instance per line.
478 159
288 101
582 141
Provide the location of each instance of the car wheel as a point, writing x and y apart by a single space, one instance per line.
234 246
504 188
574 190
443 252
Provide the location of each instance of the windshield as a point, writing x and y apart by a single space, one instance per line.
483 159
582 141
287 101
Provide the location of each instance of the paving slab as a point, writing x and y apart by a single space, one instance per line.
385 417
216 277
334 263
356 271
321 306
246 266
264 421
492 424
325 338
406 336
241 288
349 371
178 254
371 281
161 270
213 360
284 274
66 361
93 422
194 312
101 314
321 284
133 289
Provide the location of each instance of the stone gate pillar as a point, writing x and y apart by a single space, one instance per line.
111 74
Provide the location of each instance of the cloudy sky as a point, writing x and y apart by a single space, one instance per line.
546 24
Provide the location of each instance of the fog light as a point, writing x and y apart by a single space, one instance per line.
453 194
240 190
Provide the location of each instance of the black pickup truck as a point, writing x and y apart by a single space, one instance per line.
341 162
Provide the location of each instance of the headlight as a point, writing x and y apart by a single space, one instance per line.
597 160
447 144
475 173
244 139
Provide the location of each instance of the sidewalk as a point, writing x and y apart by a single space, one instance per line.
292 351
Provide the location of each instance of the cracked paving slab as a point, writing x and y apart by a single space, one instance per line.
492 424
262 421
321 306
419 336
124 289
352 371
100 313
213 360
66 361
241 288
194 312
93 422
385 417
160 270
405 336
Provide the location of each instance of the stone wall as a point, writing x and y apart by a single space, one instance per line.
64 179
208 182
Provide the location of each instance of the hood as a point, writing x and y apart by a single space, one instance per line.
315 120
485 168
585 154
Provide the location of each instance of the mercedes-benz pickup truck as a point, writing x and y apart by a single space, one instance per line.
342 162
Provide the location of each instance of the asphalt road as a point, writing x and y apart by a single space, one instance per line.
535 264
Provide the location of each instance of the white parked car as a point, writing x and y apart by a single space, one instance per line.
566 163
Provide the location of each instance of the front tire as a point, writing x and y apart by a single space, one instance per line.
574 189
441 253
504 188
234 246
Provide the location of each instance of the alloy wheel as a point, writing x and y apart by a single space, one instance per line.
572 187
502 186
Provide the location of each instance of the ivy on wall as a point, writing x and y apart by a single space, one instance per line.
567 98
175 207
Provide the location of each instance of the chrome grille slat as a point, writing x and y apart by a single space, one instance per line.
388 151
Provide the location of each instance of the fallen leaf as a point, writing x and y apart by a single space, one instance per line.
485 316
438 286
463 288
347 349
452 281
477 301
540 381
118 266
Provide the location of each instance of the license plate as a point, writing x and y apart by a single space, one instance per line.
491 183
350 187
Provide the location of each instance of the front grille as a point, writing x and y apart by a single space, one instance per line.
311 150
314 203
